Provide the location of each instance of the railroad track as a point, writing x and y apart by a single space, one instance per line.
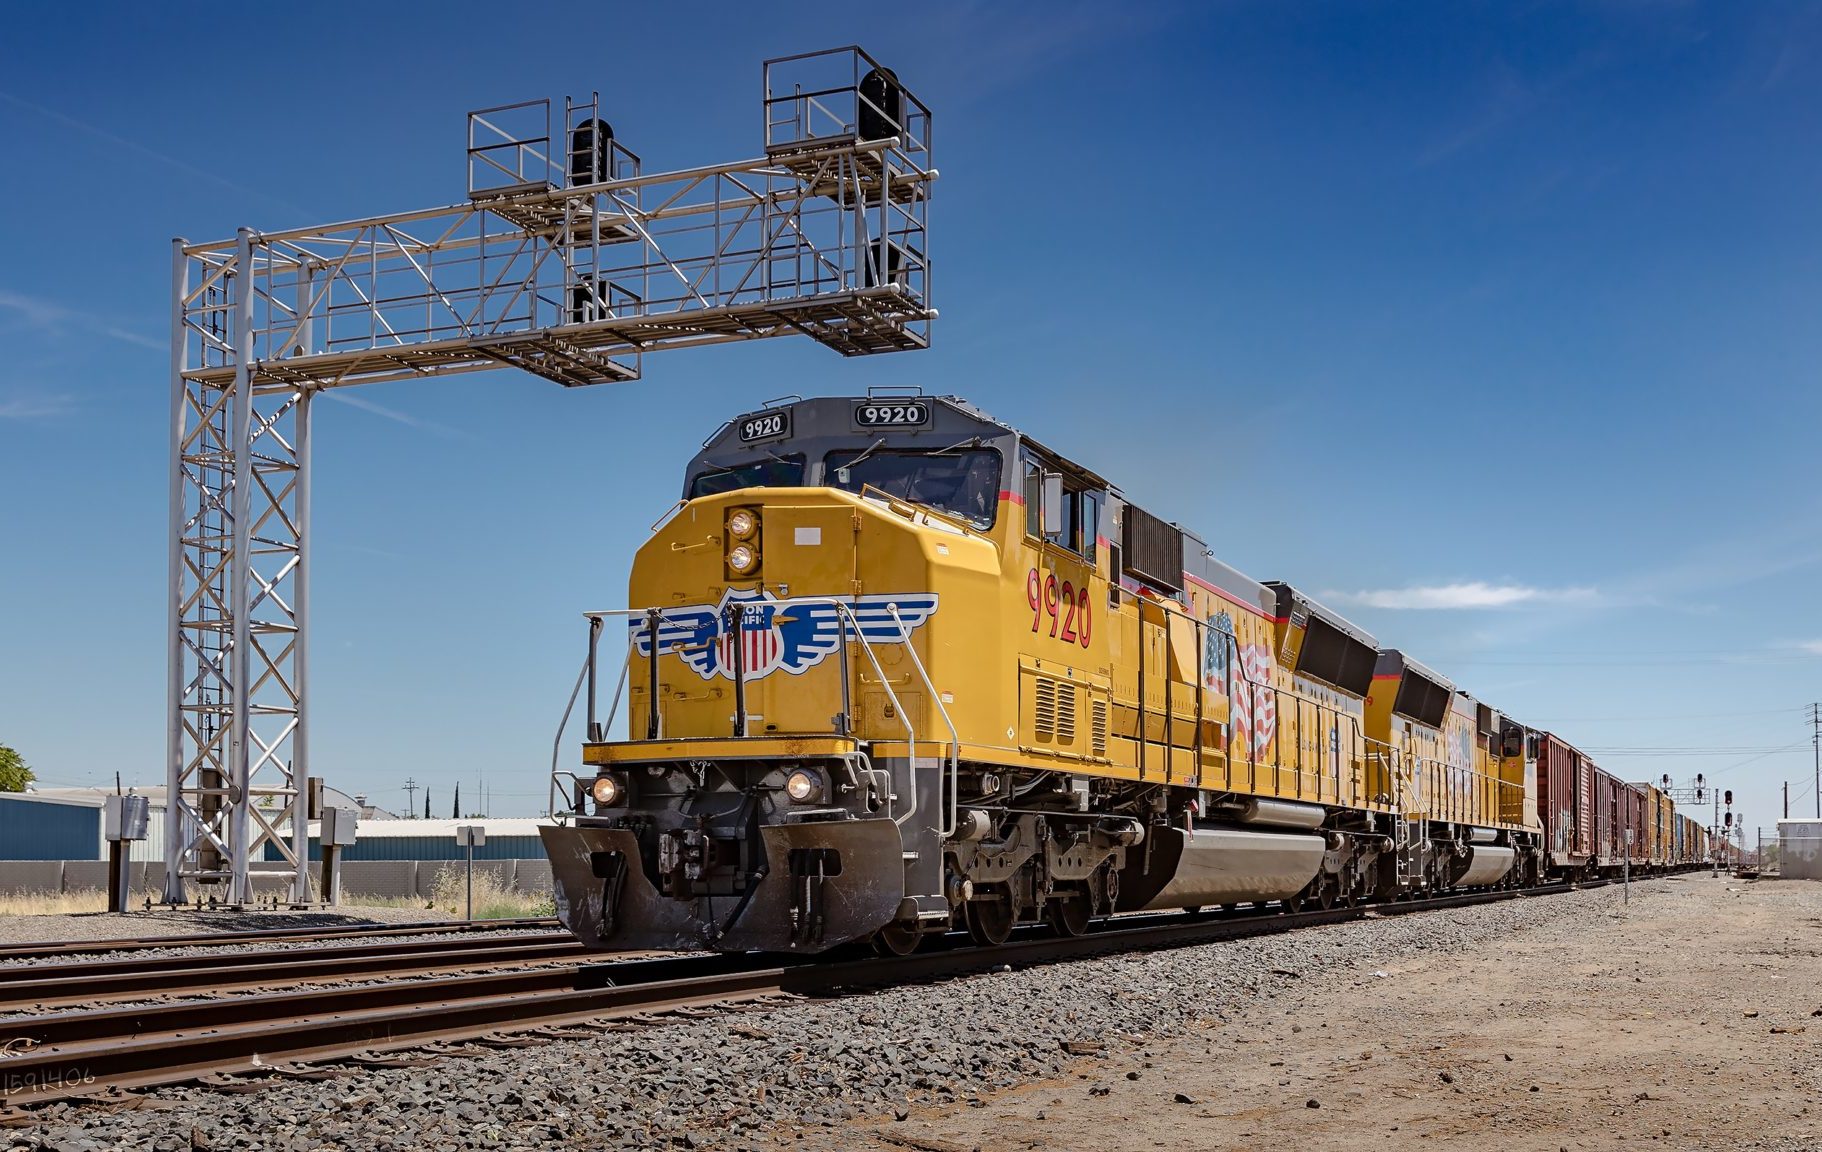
66 948
37 986
55 1056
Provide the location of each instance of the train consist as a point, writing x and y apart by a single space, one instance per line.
894 668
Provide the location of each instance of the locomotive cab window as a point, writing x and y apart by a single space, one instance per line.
963 482
1059 510
773 472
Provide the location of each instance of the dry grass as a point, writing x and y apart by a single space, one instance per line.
22 903
492 900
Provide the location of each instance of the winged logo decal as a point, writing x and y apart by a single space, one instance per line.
791 636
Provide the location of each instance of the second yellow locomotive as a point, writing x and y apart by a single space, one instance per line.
892 667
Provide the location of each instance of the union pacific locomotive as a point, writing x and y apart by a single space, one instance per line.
894 668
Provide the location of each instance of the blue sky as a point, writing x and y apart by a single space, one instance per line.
1496 325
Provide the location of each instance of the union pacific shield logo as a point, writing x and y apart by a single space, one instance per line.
776 635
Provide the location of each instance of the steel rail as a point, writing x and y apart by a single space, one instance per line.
59 948
58 1056
88 981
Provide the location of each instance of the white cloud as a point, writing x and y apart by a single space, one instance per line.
44 316
1814 646
36 407
393 414
1472 594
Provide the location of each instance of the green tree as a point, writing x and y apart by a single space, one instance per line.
14 775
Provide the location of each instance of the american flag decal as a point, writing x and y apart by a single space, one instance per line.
1254 704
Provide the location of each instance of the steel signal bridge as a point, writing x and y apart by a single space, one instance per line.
566 260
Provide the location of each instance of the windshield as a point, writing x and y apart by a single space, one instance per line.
964 483
776 472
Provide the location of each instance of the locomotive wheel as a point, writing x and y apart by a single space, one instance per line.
1293 904
990 921
1326 888
897 939
1067 915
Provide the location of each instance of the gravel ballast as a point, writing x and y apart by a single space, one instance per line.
753 1078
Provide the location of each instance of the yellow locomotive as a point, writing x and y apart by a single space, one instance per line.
892 667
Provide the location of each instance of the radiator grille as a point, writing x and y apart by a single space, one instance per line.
1065 713
1097 727
1046 707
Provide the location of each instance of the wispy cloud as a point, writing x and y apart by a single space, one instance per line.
398 417
1811 646
48 317
1509 97
1469 595
119 142
37 406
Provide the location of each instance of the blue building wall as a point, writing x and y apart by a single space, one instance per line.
36 830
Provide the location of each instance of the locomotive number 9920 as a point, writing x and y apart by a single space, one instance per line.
1062 604
907 415
765 426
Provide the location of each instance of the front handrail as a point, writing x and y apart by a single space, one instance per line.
850 628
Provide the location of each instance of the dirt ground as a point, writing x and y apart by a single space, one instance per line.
1691 1017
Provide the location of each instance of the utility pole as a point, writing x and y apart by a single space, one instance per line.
1786 799
411 795
1815 739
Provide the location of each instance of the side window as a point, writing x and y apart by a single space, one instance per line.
1034 499
1077 519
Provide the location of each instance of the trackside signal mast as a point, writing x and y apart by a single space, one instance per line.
566 260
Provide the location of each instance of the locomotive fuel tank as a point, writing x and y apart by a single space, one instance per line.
1213 865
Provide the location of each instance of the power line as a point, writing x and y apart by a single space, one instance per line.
1663 716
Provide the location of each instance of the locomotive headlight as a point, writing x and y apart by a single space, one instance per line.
743 558
608 791
803 786
742 524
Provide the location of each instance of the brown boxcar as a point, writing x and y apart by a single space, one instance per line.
1565 803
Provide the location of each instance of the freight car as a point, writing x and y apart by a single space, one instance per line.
893 667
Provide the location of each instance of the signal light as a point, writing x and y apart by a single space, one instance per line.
1727 797
1727 819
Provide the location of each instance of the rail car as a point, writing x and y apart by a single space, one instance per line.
893 668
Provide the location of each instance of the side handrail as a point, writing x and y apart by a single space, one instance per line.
951 812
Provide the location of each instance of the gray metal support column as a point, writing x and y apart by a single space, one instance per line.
300 663
176 835
240 659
